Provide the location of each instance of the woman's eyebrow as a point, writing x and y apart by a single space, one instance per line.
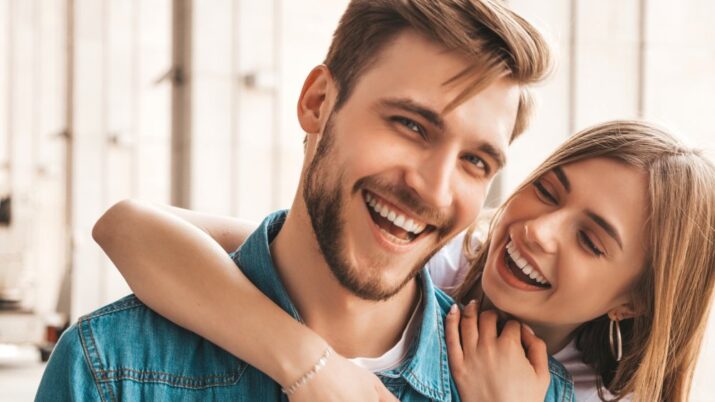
610 229
562 178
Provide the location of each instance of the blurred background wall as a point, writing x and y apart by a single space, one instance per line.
193 103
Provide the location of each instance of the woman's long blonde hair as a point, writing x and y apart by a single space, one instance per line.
675 290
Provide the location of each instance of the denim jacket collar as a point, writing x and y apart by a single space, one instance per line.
426 369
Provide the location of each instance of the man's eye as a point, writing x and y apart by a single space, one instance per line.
410 125
544 193
478 162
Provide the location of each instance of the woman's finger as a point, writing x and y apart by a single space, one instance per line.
468 325
487 327
511 332
451 333
535 351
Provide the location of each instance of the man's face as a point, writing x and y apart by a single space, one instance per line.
394 176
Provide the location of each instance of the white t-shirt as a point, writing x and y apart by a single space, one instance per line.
449 267
393 358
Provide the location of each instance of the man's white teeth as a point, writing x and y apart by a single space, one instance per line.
397 219
524 265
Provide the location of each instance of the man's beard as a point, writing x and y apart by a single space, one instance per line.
324 202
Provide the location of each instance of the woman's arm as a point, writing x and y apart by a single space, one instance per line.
179 271
169 259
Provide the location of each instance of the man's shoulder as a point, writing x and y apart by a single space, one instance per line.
444 300
125 345
126 339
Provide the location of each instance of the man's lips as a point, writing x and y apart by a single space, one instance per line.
400 227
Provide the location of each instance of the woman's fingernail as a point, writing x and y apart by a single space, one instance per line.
453 309
472 302
528 328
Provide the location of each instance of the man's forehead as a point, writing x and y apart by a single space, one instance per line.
414 68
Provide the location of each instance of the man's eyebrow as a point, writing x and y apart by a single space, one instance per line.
411 106
606 226
562 178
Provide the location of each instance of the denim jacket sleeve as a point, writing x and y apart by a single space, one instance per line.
67 376
561 385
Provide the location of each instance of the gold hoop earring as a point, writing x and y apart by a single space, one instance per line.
616 350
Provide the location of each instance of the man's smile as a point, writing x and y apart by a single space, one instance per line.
394 224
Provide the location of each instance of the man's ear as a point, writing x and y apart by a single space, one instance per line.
316 98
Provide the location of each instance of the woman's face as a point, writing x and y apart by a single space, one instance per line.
569 247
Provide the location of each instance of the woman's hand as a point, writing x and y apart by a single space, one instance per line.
510 367
342 381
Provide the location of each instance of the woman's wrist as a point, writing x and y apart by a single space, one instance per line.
308 375
296 355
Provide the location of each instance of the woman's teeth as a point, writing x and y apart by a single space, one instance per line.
397 219
524 265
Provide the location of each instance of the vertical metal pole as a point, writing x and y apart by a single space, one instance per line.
234 134
105 73
181 104
642 57
37 110
277 154
135 100
10 128
573 67
64 302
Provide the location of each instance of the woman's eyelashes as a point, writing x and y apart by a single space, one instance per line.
583 238
544 194
589 244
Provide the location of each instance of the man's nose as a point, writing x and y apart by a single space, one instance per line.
541 233
433 179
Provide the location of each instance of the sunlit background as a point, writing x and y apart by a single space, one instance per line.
193 103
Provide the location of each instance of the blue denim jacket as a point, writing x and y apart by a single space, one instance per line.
127 352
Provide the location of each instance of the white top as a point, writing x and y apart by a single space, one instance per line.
449 267
584 377
393 358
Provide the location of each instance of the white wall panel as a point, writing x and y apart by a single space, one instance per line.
607 50
121 127
680 67
152 108
550 125
90 148
256 107
49 240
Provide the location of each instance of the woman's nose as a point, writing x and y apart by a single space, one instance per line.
541 232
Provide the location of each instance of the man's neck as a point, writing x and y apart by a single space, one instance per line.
354 327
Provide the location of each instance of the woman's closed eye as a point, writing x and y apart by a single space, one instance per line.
589 244
544 194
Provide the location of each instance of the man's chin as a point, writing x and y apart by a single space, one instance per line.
376 289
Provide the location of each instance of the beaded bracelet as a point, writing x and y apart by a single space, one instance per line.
310 374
